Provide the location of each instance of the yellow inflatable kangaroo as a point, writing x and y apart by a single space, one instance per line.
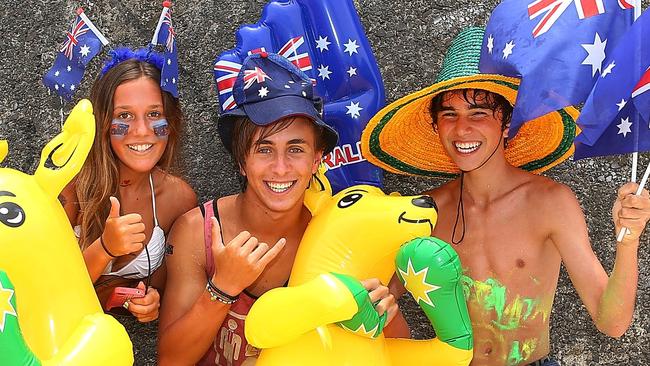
45 290
324 316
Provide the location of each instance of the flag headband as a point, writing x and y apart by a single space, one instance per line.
400 138
144 54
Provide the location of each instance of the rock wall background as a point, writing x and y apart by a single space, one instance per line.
409 39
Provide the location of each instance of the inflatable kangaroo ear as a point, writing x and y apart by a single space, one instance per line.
4 148
63 157
319 190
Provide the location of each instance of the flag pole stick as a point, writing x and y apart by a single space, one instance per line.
644 180
635 164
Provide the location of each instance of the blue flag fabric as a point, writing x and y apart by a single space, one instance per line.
627 133
326 40
83 42
166 37
556 47
614 119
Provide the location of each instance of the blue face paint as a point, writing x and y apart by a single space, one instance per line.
119 129
160 128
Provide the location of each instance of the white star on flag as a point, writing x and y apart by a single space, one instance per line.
621 104
324 72
608 69
72 87
508 50
322 43
352 71
169 61
624 127
596 54
84 50
353 109
351 47
264 91
490 44
173 80
56 73
69 68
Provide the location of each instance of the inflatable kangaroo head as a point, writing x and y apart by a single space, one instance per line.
38 249
358 231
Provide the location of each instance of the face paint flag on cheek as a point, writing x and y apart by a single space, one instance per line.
160 128
119 129
324 39
83 42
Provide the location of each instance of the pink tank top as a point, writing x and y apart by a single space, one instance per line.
229 348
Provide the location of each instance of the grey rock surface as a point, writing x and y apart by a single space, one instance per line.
409 39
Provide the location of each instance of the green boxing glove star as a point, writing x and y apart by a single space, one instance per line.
430 270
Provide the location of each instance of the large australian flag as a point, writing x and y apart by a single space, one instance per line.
557 48
616 117
83 42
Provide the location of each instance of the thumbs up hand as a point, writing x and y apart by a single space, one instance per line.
122 234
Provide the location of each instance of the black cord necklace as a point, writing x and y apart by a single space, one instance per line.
460 208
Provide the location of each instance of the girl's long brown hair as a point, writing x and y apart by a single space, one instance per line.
99 177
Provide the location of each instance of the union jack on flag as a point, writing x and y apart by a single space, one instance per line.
165 35
558 57
78 29
553 10
256 75
83 42
225 71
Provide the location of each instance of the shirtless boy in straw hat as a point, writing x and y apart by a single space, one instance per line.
511 227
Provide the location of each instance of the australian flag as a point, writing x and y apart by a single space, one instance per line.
557 48
166 37
326 40
82 43
616 117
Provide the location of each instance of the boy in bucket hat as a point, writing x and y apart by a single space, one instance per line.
511 228
231 250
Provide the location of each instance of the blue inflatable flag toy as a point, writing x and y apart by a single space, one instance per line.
325 39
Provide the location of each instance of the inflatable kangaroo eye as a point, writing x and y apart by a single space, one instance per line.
11 214
349 200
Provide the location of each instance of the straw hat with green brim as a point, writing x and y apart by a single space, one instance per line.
401 139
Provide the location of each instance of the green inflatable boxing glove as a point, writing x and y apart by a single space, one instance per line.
13 349
430 270
366 322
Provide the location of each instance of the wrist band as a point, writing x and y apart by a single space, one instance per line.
216 294
101 241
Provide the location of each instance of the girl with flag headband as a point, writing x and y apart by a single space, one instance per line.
124 200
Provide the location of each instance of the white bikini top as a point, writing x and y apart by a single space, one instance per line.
138 268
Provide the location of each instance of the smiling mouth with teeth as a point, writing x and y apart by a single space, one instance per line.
467 147
278 187
140 147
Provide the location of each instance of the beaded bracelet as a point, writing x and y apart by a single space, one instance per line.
216 294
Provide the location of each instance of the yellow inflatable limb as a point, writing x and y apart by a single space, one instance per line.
284 314
409 352
60 316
